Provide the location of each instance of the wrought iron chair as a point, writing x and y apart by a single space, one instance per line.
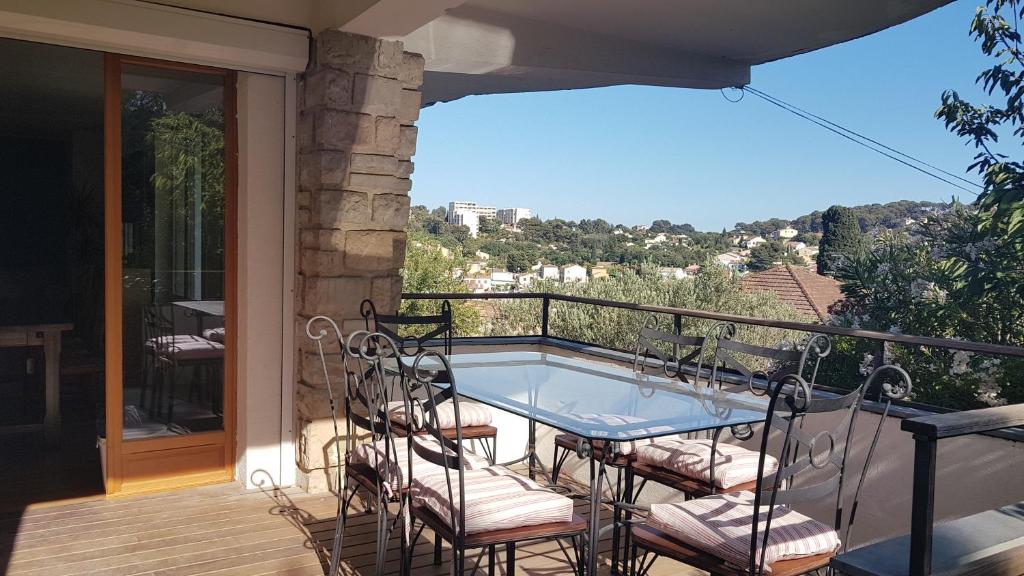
364 373
473 509
655 349
757 531
476 419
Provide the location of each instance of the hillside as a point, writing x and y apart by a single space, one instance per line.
871 217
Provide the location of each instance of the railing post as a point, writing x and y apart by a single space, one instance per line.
544 311
922 515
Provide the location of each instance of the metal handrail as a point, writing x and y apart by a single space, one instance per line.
547 297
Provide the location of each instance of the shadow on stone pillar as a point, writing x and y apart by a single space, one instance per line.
358 104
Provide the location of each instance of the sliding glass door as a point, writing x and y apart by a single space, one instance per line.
170 130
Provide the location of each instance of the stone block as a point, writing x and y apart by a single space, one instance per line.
334 297
373 164
378 184
322 263
376 95
405 169
311 399
409 108
322 169
391 211
323 240
340 209
374 250
339 130
410 71
305 132
357 53
386 293
407 143
328 88
387 136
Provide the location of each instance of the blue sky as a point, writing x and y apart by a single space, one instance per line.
633 154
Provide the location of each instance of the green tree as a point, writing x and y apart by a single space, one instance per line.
428 269
841 238
1001 203
489 226
518 261
764 256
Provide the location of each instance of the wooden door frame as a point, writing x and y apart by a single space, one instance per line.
177 447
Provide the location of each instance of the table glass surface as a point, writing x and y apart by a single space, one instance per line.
596 400
208 307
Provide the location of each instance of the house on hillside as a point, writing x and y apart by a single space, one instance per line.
526 279
692 269
502 279
785 233
478 283
599 271
731 260
754 242
669 273
574 273
549 272
807 292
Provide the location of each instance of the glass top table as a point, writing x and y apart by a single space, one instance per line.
594 400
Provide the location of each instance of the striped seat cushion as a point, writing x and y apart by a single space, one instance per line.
734 465
496 499
193 349
214 334
470 413
721 525
375 455
627 424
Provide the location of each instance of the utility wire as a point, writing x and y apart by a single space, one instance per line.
862 140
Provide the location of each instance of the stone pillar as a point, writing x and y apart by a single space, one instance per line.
358 103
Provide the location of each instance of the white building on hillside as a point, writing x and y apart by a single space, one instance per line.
481 211
502 279
465 218
549 272
785 233
524 280
478 284
574 273
672 273
730 260
512 216
755 241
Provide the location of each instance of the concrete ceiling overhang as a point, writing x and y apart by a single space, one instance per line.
496 46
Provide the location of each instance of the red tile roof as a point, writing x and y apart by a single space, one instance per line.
801 288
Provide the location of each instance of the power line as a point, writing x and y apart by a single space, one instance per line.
865 141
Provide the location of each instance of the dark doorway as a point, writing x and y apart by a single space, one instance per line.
51 273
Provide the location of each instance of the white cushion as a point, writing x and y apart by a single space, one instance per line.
375 455
496 499
215 334
470 413
734 465
720 525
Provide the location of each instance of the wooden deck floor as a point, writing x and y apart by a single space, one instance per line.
222 530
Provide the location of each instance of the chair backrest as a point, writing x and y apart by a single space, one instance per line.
885 384
391 325
802 359
671 351
363 365
431 383
819 456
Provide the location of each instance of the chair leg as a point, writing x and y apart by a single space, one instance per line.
510 559
459 561
627 517
437 550
491 557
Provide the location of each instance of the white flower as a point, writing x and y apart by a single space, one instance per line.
867 364
961 360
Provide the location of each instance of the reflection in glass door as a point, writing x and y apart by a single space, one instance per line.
173 233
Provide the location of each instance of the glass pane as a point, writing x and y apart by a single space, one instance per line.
597 400
172 152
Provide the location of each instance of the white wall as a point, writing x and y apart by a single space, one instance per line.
264 281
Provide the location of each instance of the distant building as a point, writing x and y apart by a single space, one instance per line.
785 233
640 228
479 283
574 273
480 211
660 238
465 218
794 246
524 280
512 216
754 242
692 269
672 273
502 279
599 271
804 290
549 272
730 260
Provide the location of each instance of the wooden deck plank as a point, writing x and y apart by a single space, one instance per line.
227 531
